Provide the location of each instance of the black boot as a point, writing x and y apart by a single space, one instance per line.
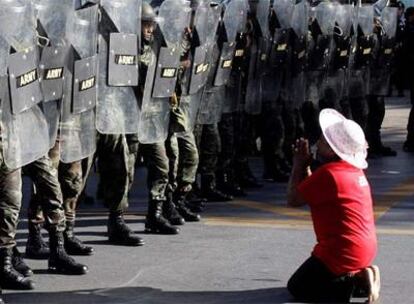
170 212
210 192
195 202
10 278
36 247
227 184
155 222
186 213
19 264
59 260
245 177
73 245
119 233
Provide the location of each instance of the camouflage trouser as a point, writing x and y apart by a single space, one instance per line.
227 153
10 202
116 164
63 181
209 146
171 165
161 162
272 132
187 161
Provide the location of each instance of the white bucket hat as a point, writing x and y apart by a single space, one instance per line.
345 137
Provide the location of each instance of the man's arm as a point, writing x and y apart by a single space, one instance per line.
301 170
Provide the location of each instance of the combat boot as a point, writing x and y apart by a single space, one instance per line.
210 192
155 222
9 277
195 202
245 177
59 261
186 213
36 247
73 245
19 264
119 233
227 184
169 211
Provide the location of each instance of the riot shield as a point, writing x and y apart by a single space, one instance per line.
300 32
117 108
199 69
253 100
322 29
24 127
233 17
262 16
342 36
365 40
77 128
55 57
162 72
174 17
384 52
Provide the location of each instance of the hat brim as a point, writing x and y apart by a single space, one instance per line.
329 117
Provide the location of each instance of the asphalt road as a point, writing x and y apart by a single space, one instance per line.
242 252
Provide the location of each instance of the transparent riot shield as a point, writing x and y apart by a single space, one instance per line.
342 36
233 17
117 107
384 52
162 72
174 17
77 128
365 40
283 10
322 30
55 57
199 69
24 127
262 16
300 31
253 100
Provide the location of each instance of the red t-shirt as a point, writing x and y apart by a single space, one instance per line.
340 201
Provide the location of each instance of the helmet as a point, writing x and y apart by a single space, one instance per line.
148 13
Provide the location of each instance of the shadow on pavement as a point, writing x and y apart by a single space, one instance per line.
153 296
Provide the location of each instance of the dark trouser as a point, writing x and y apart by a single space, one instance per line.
209 147
359 111
314 282
158 166
46 201
376 114
10 203
187 161
56 182
272 133
410 125
227 153
116 162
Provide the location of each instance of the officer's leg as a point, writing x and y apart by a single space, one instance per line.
209 150
376 114
226 181
45 178
157 162
187 164
114 163
10 203
272 139
72 180
409 142
359 110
